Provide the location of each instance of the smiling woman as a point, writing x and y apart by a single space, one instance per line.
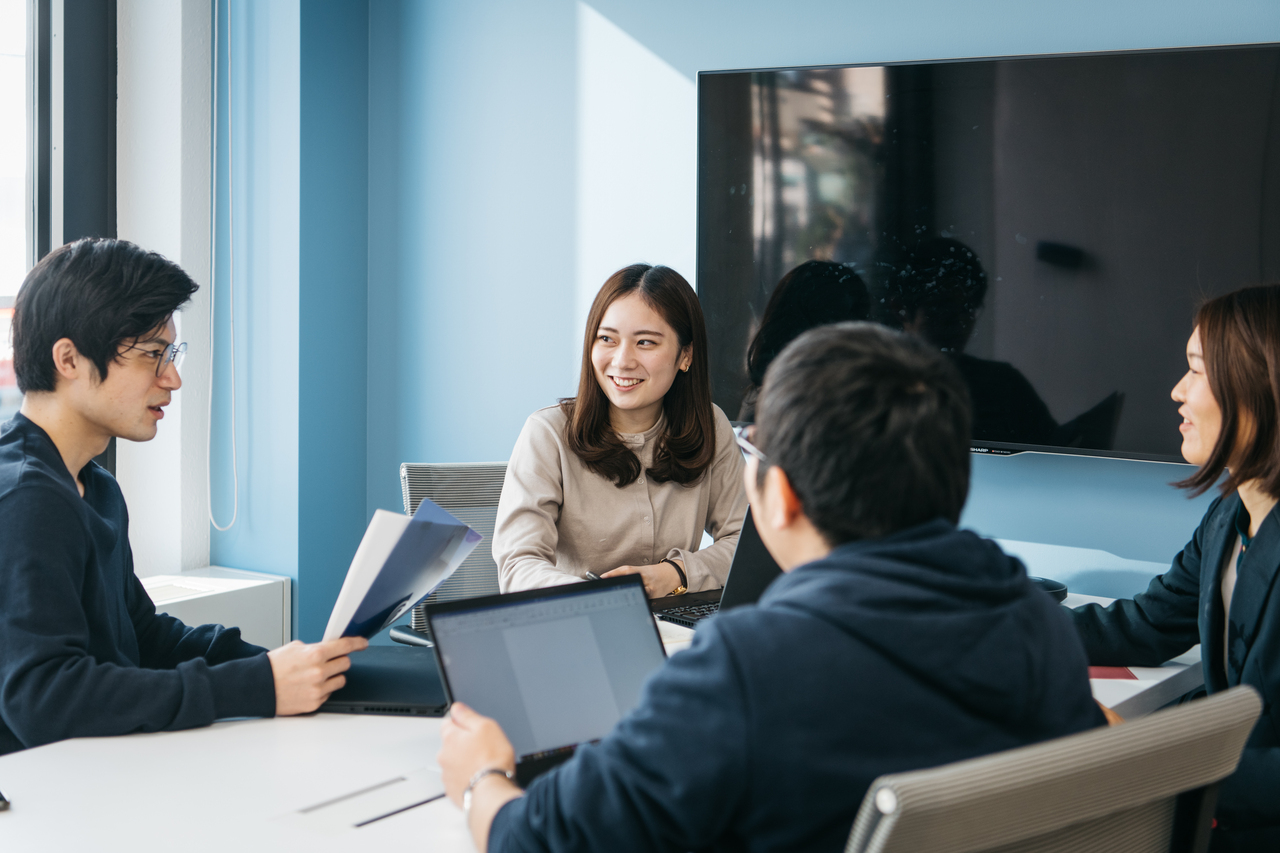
624 477
1220 591
644 355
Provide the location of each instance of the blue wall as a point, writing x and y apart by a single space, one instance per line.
299 123
467 290
333 296
471 227
264 80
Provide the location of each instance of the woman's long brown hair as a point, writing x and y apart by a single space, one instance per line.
684 452
1240 336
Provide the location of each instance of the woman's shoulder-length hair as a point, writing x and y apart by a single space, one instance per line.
1240 337
684 452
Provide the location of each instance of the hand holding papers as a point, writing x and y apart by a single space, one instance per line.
400 561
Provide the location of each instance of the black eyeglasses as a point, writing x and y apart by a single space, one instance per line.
171 354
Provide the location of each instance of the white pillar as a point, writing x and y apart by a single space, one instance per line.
163 157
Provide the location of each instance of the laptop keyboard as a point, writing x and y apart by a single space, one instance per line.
689 614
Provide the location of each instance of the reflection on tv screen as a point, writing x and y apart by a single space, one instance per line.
1050 224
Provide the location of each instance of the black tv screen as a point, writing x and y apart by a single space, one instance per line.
1051 223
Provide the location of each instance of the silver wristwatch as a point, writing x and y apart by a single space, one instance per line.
475 780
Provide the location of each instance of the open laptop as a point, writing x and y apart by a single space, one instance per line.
753 568
555 667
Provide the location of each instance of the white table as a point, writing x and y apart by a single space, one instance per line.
1154 687
297 783
235 787
293 783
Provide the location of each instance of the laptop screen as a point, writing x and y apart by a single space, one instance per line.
555 667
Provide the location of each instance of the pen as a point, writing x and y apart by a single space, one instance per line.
592 576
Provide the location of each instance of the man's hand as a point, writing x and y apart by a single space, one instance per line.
659 579
471 742
305 674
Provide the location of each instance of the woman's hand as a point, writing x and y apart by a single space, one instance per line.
1113 719
659 579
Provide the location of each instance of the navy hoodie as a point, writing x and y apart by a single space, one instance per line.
919 649
82 650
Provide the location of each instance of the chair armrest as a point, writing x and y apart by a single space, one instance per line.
408 636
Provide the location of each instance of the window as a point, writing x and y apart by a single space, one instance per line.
13 184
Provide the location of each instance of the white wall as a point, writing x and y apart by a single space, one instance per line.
637 164
163 134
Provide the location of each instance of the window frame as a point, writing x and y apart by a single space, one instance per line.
71 129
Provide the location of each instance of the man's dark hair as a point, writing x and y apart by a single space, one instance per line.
100 293
938 285
871 427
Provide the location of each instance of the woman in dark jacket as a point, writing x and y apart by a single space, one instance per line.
1219 591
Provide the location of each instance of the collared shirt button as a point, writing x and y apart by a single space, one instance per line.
646 519
641 480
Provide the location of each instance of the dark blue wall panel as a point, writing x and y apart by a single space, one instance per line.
332 296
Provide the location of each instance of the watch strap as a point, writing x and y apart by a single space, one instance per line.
477 779
684 581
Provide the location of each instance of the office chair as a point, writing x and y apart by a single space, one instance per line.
1146 785
470 491
1096 428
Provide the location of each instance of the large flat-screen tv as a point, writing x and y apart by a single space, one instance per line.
1050 222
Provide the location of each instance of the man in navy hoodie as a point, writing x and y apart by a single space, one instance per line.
82 650
892 642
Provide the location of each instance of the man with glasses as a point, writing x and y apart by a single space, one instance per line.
82 650
893 640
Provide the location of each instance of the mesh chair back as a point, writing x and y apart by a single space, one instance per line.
470 491
1107 789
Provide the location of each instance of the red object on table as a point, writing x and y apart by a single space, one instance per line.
1121 672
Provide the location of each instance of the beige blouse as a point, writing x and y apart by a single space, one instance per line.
558 520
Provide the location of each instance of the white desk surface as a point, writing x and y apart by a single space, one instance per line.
251 785
299 783
1154 687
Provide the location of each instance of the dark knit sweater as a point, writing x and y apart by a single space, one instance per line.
82 650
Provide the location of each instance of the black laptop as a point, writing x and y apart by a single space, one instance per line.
399 680
555 667
753 568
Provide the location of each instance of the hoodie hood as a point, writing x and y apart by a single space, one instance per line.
944 605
